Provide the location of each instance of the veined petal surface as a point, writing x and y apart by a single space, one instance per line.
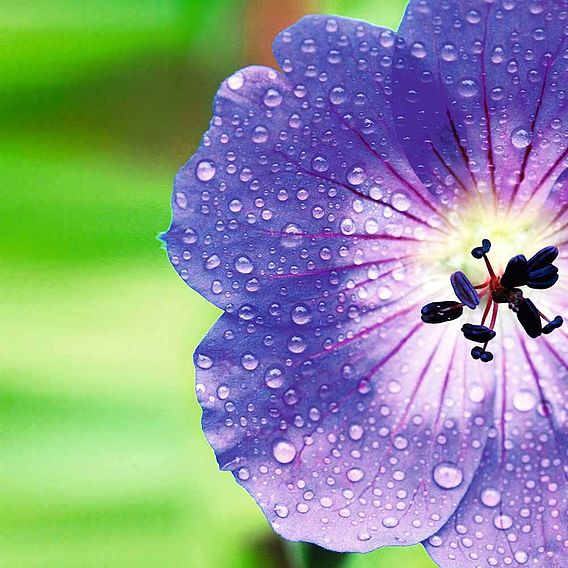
481 103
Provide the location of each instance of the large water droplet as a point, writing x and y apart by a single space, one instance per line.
355 474
524 400
520 138
283 450
244 265
490 497
447 475
274 377
301 314
272 98
281 511
205 170
467 88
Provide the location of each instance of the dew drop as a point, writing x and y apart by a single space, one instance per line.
356 431
520 138
447 475
283 450
272 98
236 81
337 95
356 176
281 511
355 474
205 170
274 377
524 400
301 314
467 88
249 361
490 497
503 522
320 164
390 522
243 265
400 202
203 361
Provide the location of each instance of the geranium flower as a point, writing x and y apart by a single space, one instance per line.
331 211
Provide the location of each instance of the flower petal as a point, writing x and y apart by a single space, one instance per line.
515 511
289 195
349 439
480 95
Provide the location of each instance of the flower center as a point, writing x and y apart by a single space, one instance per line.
538 272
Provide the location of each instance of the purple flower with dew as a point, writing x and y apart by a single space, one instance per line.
333 211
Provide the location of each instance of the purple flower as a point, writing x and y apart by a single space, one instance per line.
325 212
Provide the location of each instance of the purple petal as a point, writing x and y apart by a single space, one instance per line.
515 511
352 438
292 195
480 95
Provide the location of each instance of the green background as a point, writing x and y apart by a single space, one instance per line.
102 459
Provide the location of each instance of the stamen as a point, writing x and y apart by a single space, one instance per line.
464 290
440 312
538 272
529 318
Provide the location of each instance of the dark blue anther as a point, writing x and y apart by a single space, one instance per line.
553 324
477 352
543 257
478 333
486 245
440 312
529 318
464 289
477 252
486 356
516 272
543 278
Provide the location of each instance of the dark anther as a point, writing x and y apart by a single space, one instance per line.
553 324
516 272
464 290
479 353
543 257
543 278
478 333
486 356
440 312
529 318
477 252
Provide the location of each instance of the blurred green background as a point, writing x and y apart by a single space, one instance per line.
102 459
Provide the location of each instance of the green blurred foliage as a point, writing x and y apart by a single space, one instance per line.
103 463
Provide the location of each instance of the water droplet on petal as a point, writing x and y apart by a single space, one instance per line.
281 511
274 377
283 450
447 475
520 138
490 497
390 522
244 265
272 98
524 400
355 474
301 314
236 81
205 170
467 88
503 522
